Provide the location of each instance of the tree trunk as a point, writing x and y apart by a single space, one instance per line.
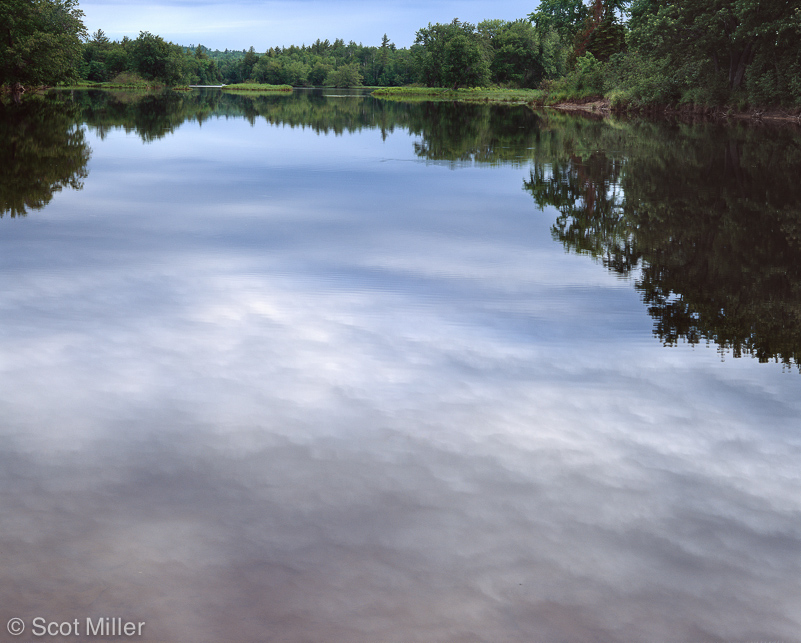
738 65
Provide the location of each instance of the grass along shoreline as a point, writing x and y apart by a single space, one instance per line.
257 87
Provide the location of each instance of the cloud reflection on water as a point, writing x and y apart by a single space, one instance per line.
362 420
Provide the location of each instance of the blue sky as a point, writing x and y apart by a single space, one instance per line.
240 24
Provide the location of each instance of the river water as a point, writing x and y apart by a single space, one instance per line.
325 368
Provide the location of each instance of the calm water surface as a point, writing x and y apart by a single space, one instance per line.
329 369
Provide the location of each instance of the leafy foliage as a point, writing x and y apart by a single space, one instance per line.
566 17
464 63
522 56
714 51
433 59
40 41
344 76
505 53
155 59
707 52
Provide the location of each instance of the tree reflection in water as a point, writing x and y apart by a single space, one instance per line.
42 150
705 216
710 216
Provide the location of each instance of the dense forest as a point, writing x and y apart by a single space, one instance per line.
704 52
455 54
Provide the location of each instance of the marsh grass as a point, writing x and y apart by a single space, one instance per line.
257 87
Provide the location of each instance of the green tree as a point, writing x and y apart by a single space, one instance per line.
345 76
269 70
715 43
248 63
520 54
95 54
601 34
607 39
155 59
40 42
566 17
464 63
297 74
201 70
319 72
386 47
433 58
116 60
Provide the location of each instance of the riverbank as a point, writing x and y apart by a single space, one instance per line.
597 105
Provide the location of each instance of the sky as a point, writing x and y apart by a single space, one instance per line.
270 23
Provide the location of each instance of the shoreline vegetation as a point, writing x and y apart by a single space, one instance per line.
727 58
257 87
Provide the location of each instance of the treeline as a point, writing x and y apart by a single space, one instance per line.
457 54
320 64
323 63
149 57
708 52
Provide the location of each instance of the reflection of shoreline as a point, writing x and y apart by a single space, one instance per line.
465 132
714 234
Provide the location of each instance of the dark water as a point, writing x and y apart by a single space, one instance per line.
323 368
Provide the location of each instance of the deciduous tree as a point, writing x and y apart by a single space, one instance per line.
40 41
344 76
721 38
464 63
566 17
430 49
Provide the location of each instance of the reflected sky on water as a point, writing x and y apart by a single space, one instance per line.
264 383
